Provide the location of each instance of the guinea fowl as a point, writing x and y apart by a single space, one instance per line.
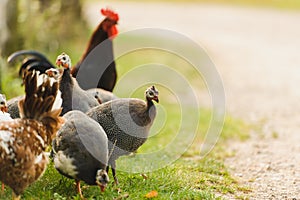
4 115
127 123
73 97
80 150
97 68
23 141
13 108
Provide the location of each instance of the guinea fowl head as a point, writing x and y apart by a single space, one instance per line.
54 73
63 60
110 22
102 179
152 94
3 103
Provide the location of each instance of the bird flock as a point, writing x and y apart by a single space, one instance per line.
72 110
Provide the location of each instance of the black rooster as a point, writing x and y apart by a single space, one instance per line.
97 68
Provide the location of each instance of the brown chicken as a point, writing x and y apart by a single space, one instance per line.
24 140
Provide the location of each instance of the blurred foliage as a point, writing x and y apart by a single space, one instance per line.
48 26
281 4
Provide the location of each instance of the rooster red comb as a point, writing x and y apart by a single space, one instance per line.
110 14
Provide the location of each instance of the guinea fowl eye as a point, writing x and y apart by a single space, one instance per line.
2 103
55 72
151 93
64 58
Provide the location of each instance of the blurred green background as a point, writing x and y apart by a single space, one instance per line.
55 26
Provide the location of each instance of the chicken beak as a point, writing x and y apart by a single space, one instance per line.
4 109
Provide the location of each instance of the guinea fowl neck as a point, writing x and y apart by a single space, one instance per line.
66 88
149 104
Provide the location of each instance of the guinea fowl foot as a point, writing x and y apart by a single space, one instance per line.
79 189
116 180
16 197
115 176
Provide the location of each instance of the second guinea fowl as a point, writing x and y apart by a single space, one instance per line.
127 123
4 115
74 98
80 150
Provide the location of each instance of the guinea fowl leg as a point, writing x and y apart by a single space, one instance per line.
79 189
2 187
113 169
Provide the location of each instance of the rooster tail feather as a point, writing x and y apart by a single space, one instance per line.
32 60
39 100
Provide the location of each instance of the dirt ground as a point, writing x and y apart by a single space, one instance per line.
256 52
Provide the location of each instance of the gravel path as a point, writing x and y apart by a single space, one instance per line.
257 54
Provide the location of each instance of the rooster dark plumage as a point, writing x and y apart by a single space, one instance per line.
96 68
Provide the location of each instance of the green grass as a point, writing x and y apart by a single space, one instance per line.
189 177
186 174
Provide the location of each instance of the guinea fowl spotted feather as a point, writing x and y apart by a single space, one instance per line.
126 122
80 150
23 141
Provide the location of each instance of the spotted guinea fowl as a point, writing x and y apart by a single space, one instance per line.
74 98
4 115
23 141
80 150
97 68
13 108
127 123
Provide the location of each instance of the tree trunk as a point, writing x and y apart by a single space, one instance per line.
11 40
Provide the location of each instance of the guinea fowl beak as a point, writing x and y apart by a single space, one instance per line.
156 99
58 62
49 73
102 188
